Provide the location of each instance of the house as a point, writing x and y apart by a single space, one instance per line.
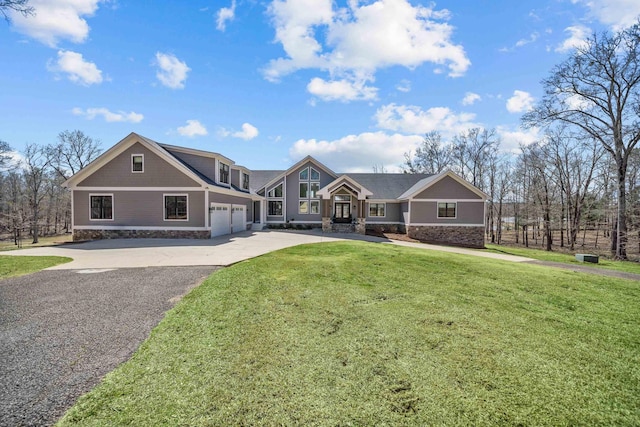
141 188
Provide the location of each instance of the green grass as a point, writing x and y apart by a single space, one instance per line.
12 266
9 245
626 266
367 334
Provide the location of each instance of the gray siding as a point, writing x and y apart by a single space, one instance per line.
139 208
392 212
447 188
235 177
467 213
157 172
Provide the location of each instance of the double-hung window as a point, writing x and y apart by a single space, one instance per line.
137 163
245 181
447 209
376 209
223 173
176 207
101 206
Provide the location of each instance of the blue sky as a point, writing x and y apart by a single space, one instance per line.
354 83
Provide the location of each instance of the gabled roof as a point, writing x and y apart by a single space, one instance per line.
121 146
386 186
260 178
294 167
432 180
345 180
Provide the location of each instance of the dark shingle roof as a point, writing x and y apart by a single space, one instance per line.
260 178
387 185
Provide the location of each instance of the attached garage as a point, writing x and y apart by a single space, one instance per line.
238 218
220 219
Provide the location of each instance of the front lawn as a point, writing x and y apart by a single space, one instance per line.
607 264
11 266
354 333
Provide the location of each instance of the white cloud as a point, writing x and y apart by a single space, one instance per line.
171 71
341 90
404 86
193 128
77 69
359 153
578 35
511 139
412 119
248 132
226 14
120 116
616 13
339 41
520 102
56 20
532 38
470 98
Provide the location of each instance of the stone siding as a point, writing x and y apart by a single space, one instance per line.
81 235
471 237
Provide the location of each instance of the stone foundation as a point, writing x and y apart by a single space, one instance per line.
387 228
359 226
470 237
81 235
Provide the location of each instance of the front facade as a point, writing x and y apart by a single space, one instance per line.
141 188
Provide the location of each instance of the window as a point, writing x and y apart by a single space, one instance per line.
304 174
224 173
175 207
315 206
304 190
101 207
275 191
245 181
315 187
342 198
446 210
304 207
315 175
275 208
376 209
137 163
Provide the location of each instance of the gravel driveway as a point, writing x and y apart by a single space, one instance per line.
62 331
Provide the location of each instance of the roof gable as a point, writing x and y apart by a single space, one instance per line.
445 185
345 181
120 148
294 168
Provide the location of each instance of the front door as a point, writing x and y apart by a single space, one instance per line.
342 211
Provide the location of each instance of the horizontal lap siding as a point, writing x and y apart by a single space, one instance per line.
427 213
139 208
447 188
157 172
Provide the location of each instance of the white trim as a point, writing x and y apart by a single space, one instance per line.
275 200
114 189
455 216
137 155
375 216
135 227
164 207
300 179
300 184
369 221
267 191
358 189
449 200
285 173
314 179
218 178
303 222
113 208
396 201
199 153
73 215
207 217
449 224
319 207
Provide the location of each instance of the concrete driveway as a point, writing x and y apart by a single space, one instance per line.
221 251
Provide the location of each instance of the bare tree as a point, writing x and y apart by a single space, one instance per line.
20 6
433 156
73 151
472 151
597 89
5 158
35 177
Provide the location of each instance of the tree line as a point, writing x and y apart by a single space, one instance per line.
33 201
583 173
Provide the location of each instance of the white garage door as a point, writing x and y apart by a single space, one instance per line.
220 219
238 218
